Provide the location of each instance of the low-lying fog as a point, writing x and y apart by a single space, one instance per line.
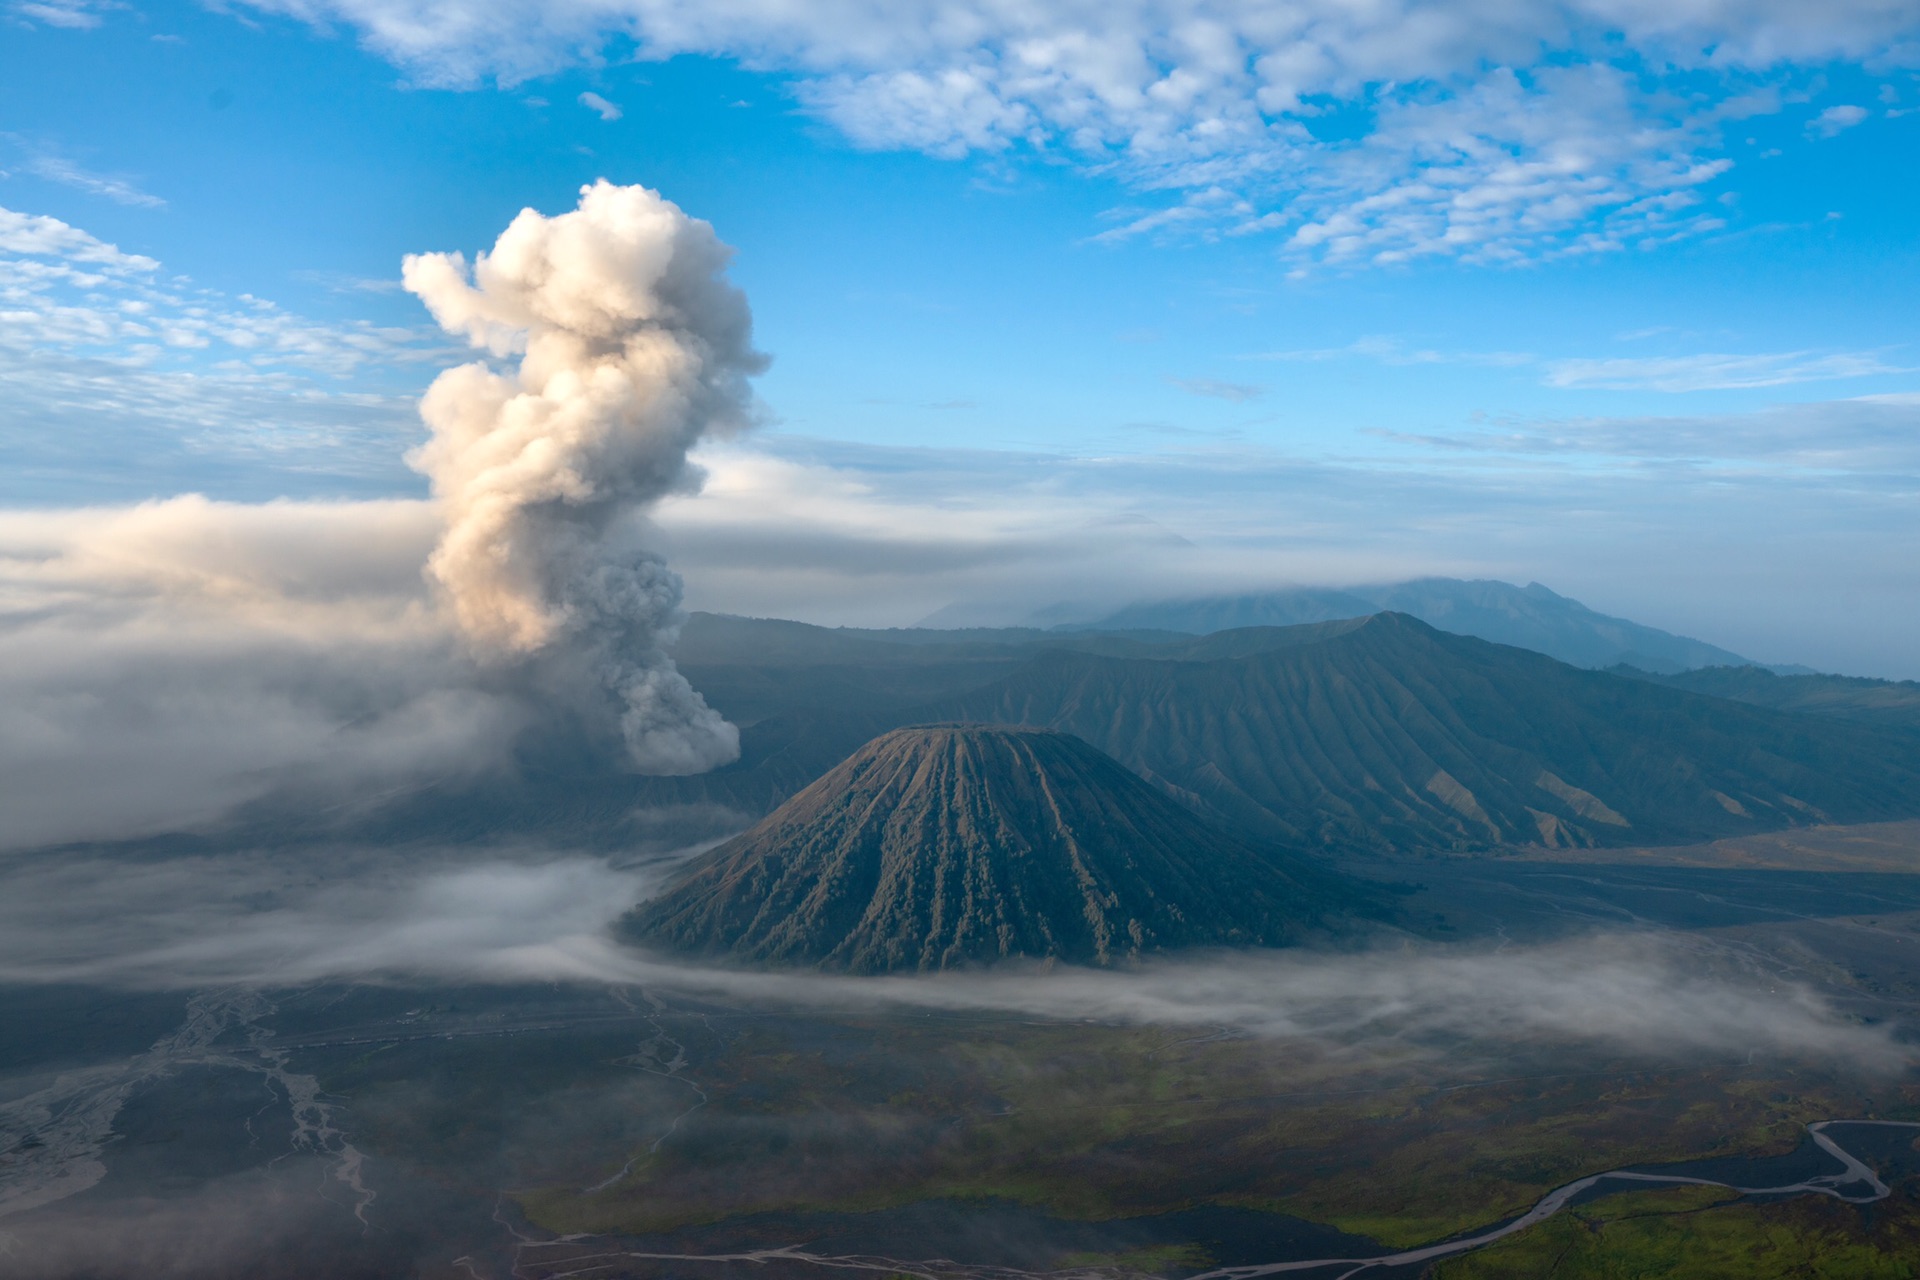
441 917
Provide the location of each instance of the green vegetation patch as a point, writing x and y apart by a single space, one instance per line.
1162 1260
1702 1234
1097 1123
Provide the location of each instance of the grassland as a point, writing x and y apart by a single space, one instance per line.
1101 1123
1698 1234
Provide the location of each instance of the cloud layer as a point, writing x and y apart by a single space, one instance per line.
1379 132
1780 533
165 662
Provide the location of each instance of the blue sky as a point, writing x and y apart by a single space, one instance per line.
1615 297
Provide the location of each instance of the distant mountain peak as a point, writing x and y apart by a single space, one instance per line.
1531 617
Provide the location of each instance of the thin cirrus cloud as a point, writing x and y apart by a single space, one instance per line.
1715 372
1394 351
1216 389
1824 448
1704 371
58 169
1493 132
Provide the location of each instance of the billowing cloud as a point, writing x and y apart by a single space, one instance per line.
1377 132
632 347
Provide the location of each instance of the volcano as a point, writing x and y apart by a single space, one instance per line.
952 845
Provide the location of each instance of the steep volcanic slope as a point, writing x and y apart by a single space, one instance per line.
1387 734
946 845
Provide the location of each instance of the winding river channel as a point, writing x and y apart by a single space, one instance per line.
1854 1182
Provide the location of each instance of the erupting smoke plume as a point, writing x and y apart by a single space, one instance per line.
633 346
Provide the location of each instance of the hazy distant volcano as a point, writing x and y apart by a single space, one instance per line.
947 845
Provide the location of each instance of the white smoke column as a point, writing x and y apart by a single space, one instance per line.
632 347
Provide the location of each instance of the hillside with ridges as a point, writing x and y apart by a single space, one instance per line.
1390 735
1891 704
1374 733
944 846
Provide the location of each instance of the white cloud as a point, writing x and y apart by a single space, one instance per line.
1715 372
1836 120
1489 130
1564 161
42 237
594 102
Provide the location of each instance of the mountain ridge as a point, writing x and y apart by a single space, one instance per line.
1530 617
1391 735
1291 765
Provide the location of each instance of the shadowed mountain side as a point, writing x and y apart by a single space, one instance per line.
1370 733
949 845
804 697
1893 704
1390 735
